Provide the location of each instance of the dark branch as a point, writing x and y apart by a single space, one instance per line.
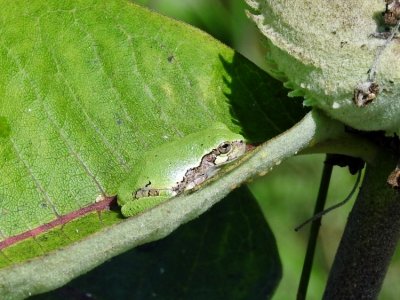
370 237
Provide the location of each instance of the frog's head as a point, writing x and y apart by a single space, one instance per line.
229 151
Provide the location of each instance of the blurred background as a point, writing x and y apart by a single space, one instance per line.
287 195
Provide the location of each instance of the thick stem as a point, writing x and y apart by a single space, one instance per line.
370 237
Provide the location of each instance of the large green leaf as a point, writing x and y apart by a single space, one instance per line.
89 86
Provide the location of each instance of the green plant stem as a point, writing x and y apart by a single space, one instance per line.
348 144
370 236
315 225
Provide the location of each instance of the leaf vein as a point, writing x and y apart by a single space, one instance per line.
59 130
39 187
117 156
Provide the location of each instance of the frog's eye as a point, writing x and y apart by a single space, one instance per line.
224 148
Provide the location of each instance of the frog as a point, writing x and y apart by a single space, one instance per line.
181 165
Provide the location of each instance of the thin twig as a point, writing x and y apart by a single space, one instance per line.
320 214
312 240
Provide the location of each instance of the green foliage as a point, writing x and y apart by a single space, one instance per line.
91 96
86 90
90 87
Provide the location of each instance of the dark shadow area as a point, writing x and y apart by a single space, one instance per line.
261 106
227 253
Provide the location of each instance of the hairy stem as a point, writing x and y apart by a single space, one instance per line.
370 237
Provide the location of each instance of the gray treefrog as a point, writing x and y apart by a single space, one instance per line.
177 166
